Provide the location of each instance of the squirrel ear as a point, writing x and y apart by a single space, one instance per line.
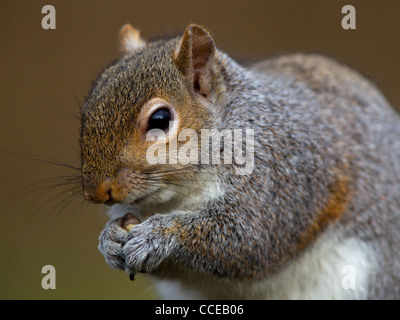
130 40
194 57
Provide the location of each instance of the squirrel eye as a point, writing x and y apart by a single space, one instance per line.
160 120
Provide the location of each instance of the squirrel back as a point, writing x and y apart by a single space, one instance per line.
322 197
331 145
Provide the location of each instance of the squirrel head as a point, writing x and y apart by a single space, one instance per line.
167 85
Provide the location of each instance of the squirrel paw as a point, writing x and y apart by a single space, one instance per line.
146 248
111 241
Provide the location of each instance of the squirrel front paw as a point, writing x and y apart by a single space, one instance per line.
146 247
111 241
138 248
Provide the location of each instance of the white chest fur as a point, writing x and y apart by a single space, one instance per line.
330 269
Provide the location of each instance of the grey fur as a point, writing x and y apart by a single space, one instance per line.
314 120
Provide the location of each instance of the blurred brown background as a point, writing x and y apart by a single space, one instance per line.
46 73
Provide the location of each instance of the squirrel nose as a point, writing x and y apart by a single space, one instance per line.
100 193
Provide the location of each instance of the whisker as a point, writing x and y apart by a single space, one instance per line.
44 160
76 189
176 191
66 113
173 182
150 287
63 204
35 212
188 186
51 215
79 103
179 179
31 188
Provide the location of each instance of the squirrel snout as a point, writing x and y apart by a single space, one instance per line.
103 192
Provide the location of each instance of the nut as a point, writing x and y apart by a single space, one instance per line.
129 221
130 226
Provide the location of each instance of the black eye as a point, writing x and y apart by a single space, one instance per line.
160 120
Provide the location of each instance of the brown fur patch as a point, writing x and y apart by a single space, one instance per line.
334 208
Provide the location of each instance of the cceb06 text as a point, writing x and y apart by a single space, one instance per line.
221 309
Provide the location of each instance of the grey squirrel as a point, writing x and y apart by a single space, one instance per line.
317 218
